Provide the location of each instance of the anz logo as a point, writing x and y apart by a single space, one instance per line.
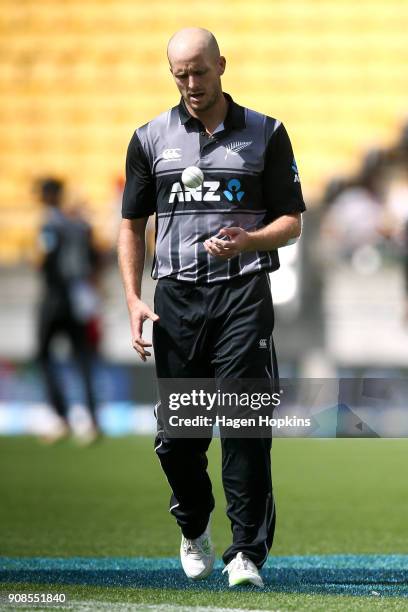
234 191
209 191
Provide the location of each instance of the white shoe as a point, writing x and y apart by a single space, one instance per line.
89 437
242 570
197 556
58 434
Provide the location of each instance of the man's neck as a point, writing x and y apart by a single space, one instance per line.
214 116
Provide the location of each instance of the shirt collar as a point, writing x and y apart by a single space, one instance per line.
235 117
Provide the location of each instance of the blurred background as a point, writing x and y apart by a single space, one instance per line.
77 78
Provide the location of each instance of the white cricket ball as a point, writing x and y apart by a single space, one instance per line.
192 177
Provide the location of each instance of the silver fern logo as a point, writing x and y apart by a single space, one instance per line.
233 148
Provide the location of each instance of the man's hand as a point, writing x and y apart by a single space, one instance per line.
139 312
237 241
278 233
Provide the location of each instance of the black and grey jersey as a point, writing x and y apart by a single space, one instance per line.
250 179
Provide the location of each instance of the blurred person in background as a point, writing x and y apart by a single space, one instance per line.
396 204
366 222
69 302
352 225
395 225
401 192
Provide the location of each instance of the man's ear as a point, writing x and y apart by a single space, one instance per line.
222 62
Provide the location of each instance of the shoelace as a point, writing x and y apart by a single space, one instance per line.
239 562
196 548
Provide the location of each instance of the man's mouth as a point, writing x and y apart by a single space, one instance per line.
196 97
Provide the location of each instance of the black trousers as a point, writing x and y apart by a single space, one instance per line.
221 331
56 319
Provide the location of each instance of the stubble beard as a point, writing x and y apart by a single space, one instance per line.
211 102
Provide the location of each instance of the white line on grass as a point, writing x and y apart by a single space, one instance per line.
92 605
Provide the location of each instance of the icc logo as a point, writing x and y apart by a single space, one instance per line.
233 192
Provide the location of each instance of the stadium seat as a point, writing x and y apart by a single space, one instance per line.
76 79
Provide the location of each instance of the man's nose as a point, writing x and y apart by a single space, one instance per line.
192 82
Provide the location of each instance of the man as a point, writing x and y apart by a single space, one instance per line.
213 310
68 264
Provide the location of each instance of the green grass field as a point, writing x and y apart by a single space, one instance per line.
110 500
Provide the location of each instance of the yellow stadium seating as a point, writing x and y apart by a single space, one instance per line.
76 78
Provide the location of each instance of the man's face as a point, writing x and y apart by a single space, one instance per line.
198 79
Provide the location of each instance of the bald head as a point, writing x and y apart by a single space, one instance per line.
192 42
197 67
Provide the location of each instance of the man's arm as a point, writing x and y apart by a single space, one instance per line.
273 236
276 234
131 253
282 195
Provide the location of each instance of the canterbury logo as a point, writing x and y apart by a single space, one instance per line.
233 148
169 154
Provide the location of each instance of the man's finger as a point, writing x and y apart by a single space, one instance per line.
149 314
222 244
139 352
139 340
231 231
218 244
212 248
209 250
226 252
221 254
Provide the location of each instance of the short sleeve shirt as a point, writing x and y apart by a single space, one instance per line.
250 179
